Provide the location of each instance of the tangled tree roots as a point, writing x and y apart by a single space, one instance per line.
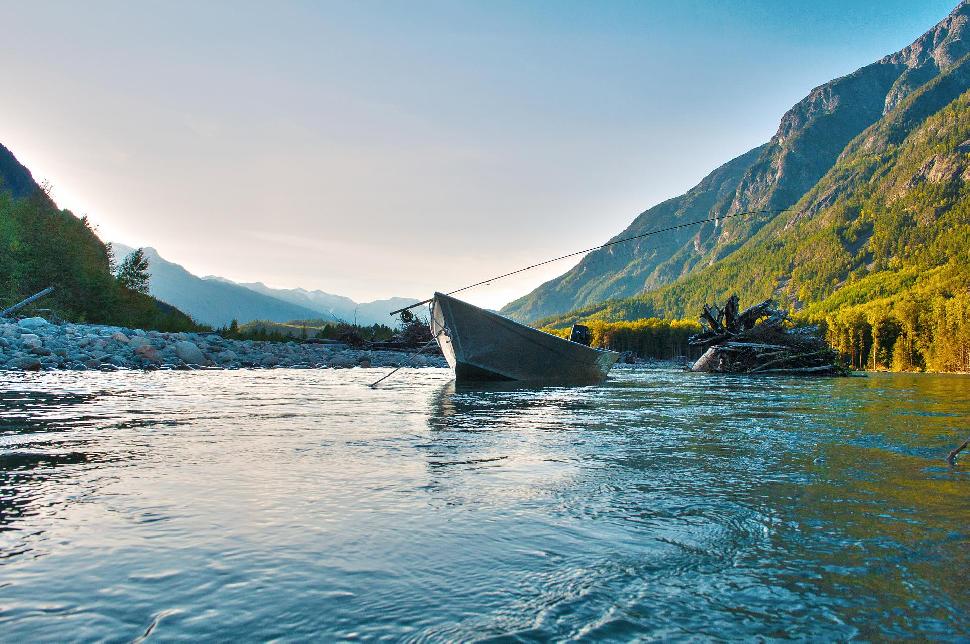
761 340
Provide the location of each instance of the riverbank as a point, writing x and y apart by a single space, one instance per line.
34 344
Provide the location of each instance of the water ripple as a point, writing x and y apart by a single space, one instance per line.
661 505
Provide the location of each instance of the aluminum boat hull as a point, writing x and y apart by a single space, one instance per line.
482 346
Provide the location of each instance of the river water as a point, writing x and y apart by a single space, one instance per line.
296 504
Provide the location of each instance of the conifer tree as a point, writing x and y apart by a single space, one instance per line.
133 271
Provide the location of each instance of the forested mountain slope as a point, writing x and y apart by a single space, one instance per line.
878 250
41 246
14 177
810 139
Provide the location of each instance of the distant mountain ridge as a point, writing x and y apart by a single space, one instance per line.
209 301
337 306
217 301
810 139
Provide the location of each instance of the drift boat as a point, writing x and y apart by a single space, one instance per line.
484 346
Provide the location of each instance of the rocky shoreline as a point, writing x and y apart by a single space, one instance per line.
34 344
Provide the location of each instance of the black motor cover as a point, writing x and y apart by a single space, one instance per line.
581 334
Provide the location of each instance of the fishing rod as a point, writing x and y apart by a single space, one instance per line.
588 250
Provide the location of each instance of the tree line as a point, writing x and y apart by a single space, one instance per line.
648 337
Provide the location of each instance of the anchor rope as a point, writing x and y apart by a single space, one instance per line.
566 256
589 250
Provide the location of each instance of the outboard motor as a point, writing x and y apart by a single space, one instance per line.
581 334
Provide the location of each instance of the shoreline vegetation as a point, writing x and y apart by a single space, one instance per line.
875 336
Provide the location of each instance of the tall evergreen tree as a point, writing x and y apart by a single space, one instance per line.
133 272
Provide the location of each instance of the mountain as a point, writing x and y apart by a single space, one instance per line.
217 301
14 177
810 139
337 306
877 251
212 301
43 246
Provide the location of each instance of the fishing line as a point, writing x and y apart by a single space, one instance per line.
430 342
589 250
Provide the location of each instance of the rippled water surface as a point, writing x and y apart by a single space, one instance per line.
290 504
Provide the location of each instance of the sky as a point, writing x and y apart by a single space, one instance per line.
377 149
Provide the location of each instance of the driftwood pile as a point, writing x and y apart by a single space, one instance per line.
761 340
414 334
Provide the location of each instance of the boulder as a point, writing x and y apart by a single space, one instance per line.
343 359
29 363
147 352
139 341
189 353
33 323
30 341
118 336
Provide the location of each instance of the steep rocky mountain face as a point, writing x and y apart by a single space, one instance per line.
809 141
893 210
877 251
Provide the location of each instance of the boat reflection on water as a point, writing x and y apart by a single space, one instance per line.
499 443
482 406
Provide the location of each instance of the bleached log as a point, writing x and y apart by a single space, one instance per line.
759 340
789 358
19 305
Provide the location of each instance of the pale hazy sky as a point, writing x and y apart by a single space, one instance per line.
393 148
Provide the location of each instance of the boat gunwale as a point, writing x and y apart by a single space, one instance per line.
525 331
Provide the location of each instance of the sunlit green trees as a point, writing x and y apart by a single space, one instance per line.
133 272
42 246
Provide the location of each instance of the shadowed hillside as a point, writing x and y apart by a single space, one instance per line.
41 246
